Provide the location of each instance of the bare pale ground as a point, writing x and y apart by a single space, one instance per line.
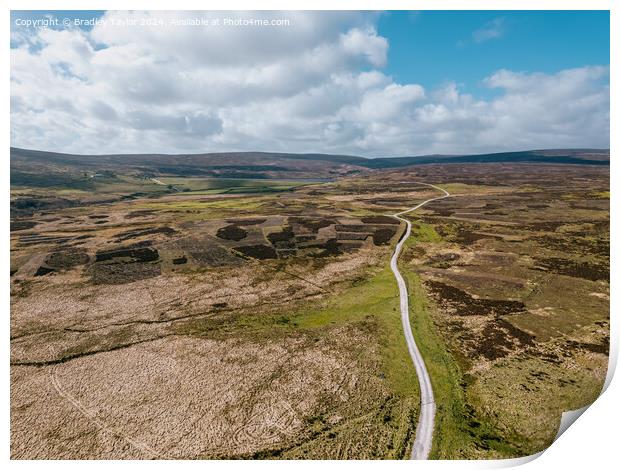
71 317
110 372
183 397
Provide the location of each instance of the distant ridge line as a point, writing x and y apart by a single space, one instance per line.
196 162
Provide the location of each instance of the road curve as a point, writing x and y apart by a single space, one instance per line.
424 431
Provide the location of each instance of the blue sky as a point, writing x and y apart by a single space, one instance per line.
366 83
430 47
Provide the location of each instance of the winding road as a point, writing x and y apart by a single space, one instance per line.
424 431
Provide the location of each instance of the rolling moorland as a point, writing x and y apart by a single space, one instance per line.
241 305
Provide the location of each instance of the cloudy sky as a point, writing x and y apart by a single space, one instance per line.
371 84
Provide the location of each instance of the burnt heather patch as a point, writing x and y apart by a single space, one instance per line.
17 225
285 235
314 225
232 232
122 273
245 222
67 259
131 254
567 267
43 270
258 251
380 219
382 236
464 304
498 339
330 248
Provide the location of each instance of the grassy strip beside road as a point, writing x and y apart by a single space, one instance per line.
373 300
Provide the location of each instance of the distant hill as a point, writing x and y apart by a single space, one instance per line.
38 168
560 156
223 165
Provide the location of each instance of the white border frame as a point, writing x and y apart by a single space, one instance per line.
590 442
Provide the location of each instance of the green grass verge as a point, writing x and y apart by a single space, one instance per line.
377 300
422 232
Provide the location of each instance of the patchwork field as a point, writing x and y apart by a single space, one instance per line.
201 317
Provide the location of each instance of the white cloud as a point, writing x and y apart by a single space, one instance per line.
366 44
315 86
491 30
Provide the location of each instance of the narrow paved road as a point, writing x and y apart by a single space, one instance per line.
424 431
